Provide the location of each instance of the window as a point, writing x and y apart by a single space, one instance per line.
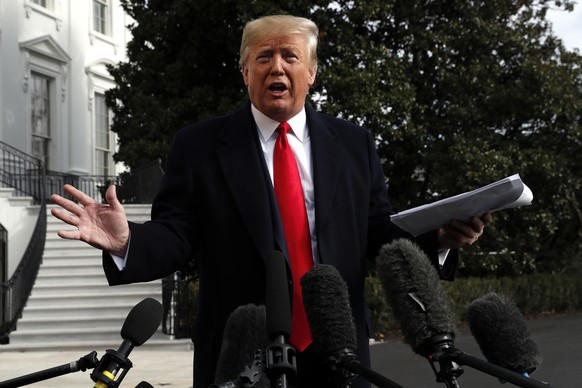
42 3
101 16
40 117
102 136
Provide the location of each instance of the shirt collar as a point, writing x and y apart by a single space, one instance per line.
268 126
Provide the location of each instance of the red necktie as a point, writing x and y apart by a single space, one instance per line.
289 193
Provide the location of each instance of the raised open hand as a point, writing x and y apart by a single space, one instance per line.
102 226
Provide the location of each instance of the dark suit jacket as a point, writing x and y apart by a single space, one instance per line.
213 205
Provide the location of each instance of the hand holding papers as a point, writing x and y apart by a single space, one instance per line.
504 194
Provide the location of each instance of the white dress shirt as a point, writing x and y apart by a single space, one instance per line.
300 143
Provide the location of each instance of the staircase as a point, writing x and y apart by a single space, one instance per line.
71 304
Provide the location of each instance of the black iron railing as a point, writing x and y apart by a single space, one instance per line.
138 186
26 175
22 172
180 301
15 292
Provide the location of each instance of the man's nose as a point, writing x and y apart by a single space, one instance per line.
277 65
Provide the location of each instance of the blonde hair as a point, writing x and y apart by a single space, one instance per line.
276 26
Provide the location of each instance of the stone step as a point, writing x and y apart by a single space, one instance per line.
72 306
82 285
6 192
84 347
88 298
48 311
53 242
81 254
44 280
81 322
109 332
72 270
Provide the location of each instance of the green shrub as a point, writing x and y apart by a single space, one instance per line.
533 295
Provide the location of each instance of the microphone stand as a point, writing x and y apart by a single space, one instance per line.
494 370
281 362
348 367
434 350
442 350
89 361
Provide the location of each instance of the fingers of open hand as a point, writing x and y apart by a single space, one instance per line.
65 216
80 196
73 234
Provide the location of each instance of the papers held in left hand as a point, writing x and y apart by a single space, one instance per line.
504 194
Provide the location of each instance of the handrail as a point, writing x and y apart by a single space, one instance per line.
22 172
15 292
26 175
138 186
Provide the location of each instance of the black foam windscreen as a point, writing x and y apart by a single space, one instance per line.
142 321
327 305
414 291
277 300
501 331
245 333
144 384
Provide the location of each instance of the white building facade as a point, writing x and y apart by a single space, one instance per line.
53 78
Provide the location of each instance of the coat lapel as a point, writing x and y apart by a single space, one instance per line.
327 159
239 158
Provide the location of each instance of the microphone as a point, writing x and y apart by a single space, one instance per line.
141 323
244 339
281 357
271 325
327 305
502 333
277 299
420 303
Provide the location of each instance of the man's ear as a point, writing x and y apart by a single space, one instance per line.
245 72
312 74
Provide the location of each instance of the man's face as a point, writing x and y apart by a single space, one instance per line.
278 74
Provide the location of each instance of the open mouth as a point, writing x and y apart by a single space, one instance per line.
278 87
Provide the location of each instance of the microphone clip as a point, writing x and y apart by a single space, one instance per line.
338 363
437 349
281 358
111 370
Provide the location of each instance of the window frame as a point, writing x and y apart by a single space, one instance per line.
102 112
103 27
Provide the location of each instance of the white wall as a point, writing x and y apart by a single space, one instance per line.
58 42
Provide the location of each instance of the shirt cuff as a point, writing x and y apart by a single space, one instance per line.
121 262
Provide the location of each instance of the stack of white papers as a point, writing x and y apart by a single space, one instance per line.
504 194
